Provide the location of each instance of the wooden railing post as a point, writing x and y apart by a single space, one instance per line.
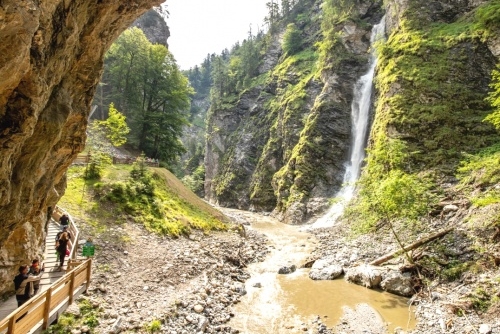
46 310
71 287
12 324
89 274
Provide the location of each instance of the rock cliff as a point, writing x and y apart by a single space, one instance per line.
154 26
51 61
282 144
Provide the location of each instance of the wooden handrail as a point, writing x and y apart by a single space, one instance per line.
73 230
41 310
38 310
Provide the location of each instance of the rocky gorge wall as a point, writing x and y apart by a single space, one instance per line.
282 145
433 77
51 61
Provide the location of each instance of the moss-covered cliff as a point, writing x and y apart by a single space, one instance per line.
433 79
282 143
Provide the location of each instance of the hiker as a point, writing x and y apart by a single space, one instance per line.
62 244
64 230
64 221
23 284
35 270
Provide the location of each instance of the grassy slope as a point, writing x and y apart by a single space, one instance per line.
170 209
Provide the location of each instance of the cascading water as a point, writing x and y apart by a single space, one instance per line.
360 109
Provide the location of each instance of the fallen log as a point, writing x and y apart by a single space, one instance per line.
414 245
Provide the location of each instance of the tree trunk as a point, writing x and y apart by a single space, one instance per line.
414 245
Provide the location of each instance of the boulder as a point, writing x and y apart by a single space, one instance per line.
397 283
287 269
366 275
325 269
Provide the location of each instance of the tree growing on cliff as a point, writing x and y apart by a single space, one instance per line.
494 99
390 197
292 40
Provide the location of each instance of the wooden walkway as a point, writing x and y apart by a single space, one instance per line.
50 275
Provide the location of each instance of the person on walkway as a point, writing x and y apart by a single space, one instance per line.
65 229
23 284
35 270
62 245
64 221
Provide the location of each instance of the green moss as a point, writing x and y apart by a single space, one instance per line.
66 322
436 105
154 326
454 270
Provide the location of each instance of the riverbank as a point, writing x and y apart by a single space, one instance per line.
442 306
227 283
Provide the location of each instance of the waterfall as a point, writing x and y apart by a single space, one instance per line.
360 109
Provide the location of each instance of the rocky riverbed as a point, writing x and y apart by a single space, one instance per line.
191 285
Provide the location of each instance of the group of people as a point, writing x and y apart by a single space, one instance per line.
63 241
27 282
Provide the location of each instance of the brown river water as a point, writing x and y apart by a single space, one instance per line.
288 303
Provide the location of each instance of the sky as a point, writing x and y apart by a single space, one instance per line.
199 27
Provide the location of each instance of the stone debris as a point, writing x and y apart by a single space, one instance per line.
189 287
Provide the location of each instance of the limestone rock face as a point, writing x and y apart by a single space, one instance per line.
154 26
289 158
51 61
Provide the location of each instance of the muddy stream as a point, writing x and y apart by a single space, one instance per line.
290 303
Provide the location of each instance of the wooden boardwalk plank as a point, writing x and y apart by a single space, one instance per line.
50 274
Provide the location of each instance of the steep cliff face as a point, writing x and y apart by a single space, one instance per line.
154 26
283 144
51 61
433 78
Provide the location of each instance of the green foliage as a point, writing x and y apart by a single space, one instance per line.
397 196
158 200
494 99
292 40
114 127
99 160
454 270
154 326
488 17
66 322
103 135
481 169
64 325
233 72
145 196
334 13
196 180
145 83
481 299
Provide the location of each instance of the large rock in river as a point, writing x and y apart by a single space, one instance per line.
365 275
325 269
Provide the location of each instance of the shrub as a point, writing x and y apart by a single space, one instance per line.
292 40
